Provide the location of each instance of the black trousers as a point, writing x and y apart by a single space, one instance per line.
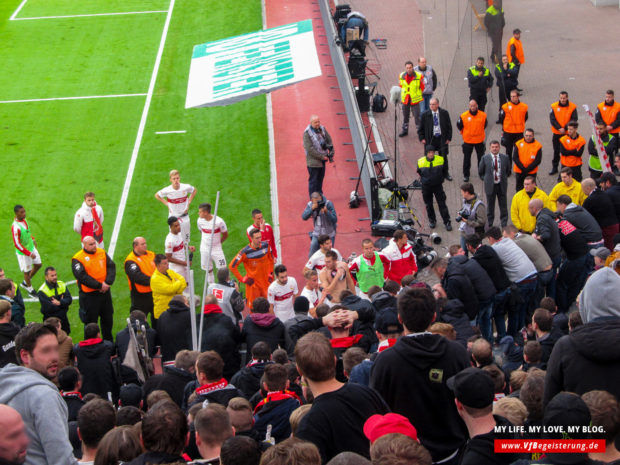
520 177
98 306
443 150
315 179
555 141
502 202
496 45
144 303
440 196
509 139
467 151
480 96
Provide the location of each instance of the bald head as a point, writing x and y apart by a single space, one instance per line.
89 244
139 245
588 185
13 438
535 206
315 122
473 106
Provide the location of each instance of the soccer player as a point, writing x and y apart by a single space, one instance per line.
25 248
369 268
257 259
88 219
265 229
317 260
175 248
208 223
282 293
178 197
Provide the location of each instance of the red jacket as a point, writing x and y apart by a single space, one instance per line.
401 261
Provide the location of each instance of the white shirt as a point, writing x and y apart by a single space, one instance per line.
317 260
436 127
85 215
496 172
313 296
205 227
175 245
281 297
178 199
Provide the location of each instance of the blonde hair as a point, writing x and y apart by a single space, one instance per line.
512 409
445 329
172 173
297 415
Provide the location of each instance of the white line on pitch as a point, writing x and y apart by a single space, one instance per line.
170 132
136 147
84 97
89 15
21 5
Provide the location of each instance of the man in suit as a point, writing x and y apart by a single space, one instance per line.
494 169
436 130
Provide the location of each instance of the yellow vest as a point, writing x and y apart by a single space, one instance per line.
410 92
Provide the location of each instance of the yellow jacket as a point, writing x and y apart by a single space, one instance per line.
165 288
520 214
573 191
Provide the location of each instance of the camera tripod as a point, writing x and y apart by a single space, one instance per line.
398 202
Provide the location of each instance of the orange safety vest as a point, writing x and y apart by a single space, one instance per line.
514 119
95 266
527 154
571 144
518 50
562 114
473 127
609 114
147 266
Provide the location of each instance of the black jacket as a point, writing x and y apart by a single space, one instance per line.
411 376
496 22
458 286
480 83
219 333
453 313
247 380
173 381
382 300
74 404
433 174
614 193
47 308
480 450
84 278
275 413
549 342
174 330
219 396
8 331
122 339
584 222
507 79
262 327
149 458
425 131
585 360
483 285
93 361
547 229
600 205
489 260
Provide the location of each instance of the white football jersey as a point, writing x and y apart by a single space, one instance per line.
175 245
317 260
281 297
205 227
313 296
177 198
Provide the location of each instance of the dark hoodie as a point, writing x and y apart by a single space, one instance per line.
587 359
265 327
453 312
382 300
8 331
479 450
512 354
275 410
93 361
174 330
220 334
483 284
458 286
547 229
411 377
173 381
491 263
247 380
548 342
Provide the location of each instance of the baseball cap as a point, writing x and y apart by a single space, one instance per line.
386 321
473 387
380 425
429 148
130 395
600 252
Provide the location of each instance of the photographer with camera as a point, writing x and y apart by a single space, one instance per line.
319 149
473 215
323 216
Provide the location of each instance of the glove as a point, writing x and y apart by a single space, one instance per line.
248 280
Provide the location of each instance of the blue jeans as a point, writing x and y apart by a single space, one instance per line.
484 319
544 279
571 278
551 286
425 103
499 306
516 318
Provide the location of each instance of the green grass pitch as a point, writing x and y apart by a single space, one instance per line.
54 151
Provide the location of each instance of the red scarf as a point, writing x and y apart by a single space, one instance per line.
97 226
211 309
210 387
91 342
71 394
274 397
345 342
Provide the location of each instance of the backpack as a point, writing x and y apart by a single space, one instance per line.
379 103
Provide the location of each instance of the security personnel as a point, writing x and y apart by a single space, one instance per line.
506 75
608 112
95 273
55 298
494 22
472 124
610 144
432 171
480 83
139 267
514 49
513 116
411 90
165 283
561 113
571 150
527 156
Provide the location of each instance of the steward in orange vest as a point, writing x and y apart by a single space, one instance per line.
514 50
562 112
513 116
472 124
95 273
608 112
571 150
139 267
527 156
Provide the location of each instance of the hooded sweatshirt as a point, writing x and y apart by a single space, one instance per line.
264 327
8 331
44 414
600 296
93 361
411 377
174 330
479 449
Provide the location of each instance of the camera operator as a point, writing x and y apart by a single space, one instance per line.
473 215
324 218
319 149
